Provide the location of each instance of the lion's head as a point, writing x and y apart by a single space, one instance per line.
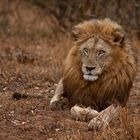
97 48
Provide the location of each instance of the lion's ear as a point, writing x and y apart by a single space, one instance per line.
118 37
77 33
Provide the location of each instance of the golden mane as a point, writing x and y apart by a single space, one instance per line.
114 85
103 28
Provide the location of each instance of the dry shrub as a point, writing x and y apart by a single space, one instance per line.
129 128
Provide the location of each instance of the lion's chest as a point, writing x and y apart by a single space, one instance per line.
88 95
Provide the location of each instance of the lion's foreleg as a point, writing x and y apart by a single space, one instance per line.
82 113
55 101
104 117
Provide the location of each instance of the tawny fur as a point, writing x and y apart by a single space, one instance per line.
113 86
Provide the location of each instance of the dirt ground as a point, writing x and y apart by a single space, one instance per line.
31 61
35 69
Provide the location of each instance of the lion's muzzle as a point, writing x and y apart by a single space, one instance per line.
90 73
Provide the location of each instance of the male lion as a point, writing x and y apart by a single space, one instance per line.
98 72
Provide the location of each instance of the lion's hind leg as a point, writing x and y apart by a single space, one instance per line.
82 113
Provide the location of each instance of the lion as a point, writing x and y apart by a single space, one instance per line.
98 72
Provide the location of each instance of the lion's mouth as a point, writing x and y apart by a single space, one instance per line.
90 77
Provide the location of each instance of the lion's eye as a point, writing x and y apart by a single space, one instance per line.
85 50
101 52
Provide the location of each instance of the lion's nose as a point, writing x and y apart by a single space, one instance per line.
90 68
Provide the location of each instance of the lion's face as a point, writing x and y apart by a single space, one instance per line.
96 57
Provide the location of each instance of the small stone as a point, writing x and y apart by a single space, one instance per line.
23 122
12 112
32 112
57 130
52 91
55 84
37 88
50 139
5 88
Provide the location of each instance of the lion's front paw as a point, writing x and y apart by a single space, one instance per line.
56 105
95 124
59 104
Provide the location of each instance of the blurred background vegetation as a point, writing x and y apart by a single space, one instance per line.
126 12
66 13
